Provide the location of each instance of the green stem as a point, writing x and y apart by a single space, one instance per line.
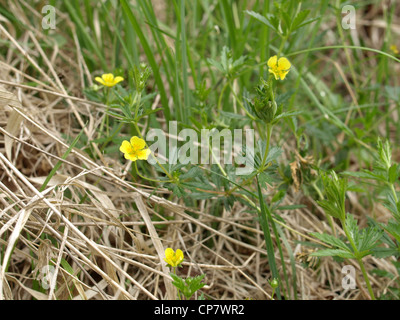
137 99
273 293
269 131
179 294
328 217
240 102
364 272
394 192
216 160
219 107
359 260
105 118
152 180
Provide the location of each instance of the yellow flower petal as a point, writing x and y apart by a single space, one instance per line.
143 154
108 80
279 67
130 156
98 79
125 147
172 258
179 256
272 61
118 79
275 74
108 77
169 253
137 143
284 64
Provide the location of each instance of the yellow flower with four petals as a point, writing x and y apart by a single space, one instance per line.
135 149
279 67
109 80
173 258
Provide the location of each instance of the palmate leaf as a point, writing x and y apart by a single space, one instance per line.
352 227
369 239
188 286
331 240
382 253
216 64
335 190
330 208
300 17
393 227
392 206
366 239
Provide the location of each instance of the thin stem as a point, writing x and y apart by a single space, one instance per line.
179 294
328 217
240 102
361 264
394 192
219 106
269 131
364 272
273 293
105 118
137 99
153 180
216 160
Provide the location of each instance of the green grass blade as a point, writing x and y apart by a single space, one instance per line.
150 56
265 217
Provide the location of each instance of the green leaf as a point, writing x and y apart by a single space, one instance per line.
261 18
273 154
366 239
284 115
178 282
188 286
265 217
307 22
286 26
392 206
330 208
216 64
366 174
300 17
384 153
333 253
352 227
382 253
393 173
331 240
335 191
192 173
369 239
67 267
393 227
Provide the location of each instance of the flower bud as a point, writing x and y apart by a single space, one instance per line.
274 283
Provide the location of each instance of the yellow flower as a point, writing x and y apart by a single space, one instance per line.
135 149
394 49
108 80
280 68
173 258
